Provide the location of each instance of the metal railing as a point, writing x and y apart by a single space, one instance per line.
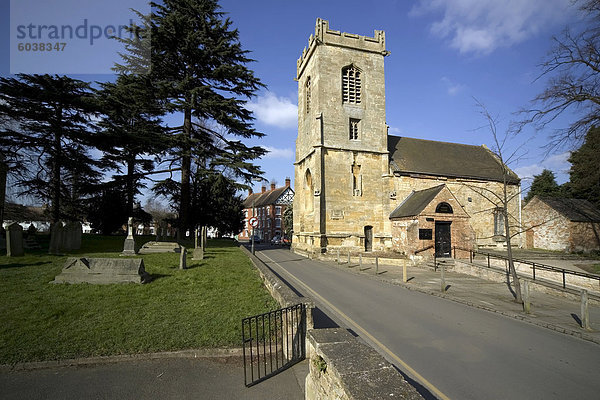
273 342
533 265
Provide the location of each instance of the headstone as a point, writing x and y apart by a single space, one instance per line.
198 252
159 247
196 233
72 232
14 240
129 245
203 239
56 238
103 271
183 258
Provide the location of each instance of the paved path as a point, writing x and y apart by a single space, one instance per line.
164 379
455 351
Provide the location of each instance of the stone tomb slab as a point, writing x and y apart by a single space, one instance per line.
160 247
103 271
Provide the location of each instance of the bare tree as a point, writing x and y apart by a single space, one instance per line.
501 201
573 71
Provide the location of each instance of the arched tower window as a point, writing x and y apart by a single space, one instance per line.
307 92
444 208
351 85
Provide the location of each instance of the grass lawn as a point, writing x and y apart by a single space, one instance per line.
200 307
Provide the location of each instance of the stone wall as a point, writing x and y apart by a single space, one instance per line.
550 230
584 236
342 367
549 227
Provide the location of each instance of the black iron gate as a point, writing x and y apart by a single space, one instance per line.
273 342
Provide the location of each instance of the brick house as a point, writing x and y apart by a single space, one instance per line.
561 224
268 206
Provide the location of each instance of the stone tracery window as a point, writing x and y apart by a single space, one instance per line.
351 85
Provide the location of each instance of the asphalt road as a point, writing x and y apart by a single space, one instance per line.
455 351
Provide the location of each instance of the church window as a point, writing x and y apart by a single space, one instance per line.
499 221
356 180
354 128
351 85
444 208
308 95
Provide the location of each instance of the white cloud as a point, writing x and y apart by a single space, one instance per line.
481 26
453 88
276 111
556 163
274 152
395 130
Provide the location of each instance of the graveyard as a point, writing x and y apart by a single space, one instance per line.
177 309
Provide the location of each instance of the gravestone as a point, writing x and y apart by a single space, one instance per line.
14 240
56 238
198 252
72 232
159 247
183 258
103 271
129 245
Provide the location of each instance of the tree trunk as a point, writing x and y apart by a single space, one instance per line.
185 175
511 264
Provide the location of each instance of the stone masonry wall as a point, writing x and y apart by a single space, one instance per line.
341 367
550 228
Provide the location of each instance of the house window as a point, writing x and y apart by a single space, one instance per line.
356 180
351 85
499 221
278 210
307 95
278 223
444 208
354 128
425 234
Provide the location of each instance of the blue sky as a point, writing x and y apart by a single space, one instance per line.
444 53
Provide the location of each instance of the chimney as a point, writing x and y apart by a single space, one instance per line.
272 185
263 189
249 191
287 181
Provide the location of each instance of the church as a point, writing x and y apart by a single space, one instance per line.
357 188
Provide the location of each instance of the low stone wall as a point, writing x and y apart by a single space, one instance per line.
367 258
285 296
497 273
342 367
526 270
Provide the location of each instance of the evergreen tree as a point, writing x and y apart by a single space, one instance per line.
544 184
131 131
199 68
584 182
50 125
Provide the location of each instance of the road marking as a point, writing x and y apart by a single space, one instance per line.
405 366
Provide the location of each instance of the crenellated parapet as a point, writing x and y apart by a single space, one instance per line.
324 35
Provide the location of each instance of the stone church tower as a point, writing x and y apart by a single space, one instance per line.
342 179
360 189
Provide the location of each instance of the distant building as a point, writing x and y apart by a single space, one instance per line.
268 206
561 224
27 216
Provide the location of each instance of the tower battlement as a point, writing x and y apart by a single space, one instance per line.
326 36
